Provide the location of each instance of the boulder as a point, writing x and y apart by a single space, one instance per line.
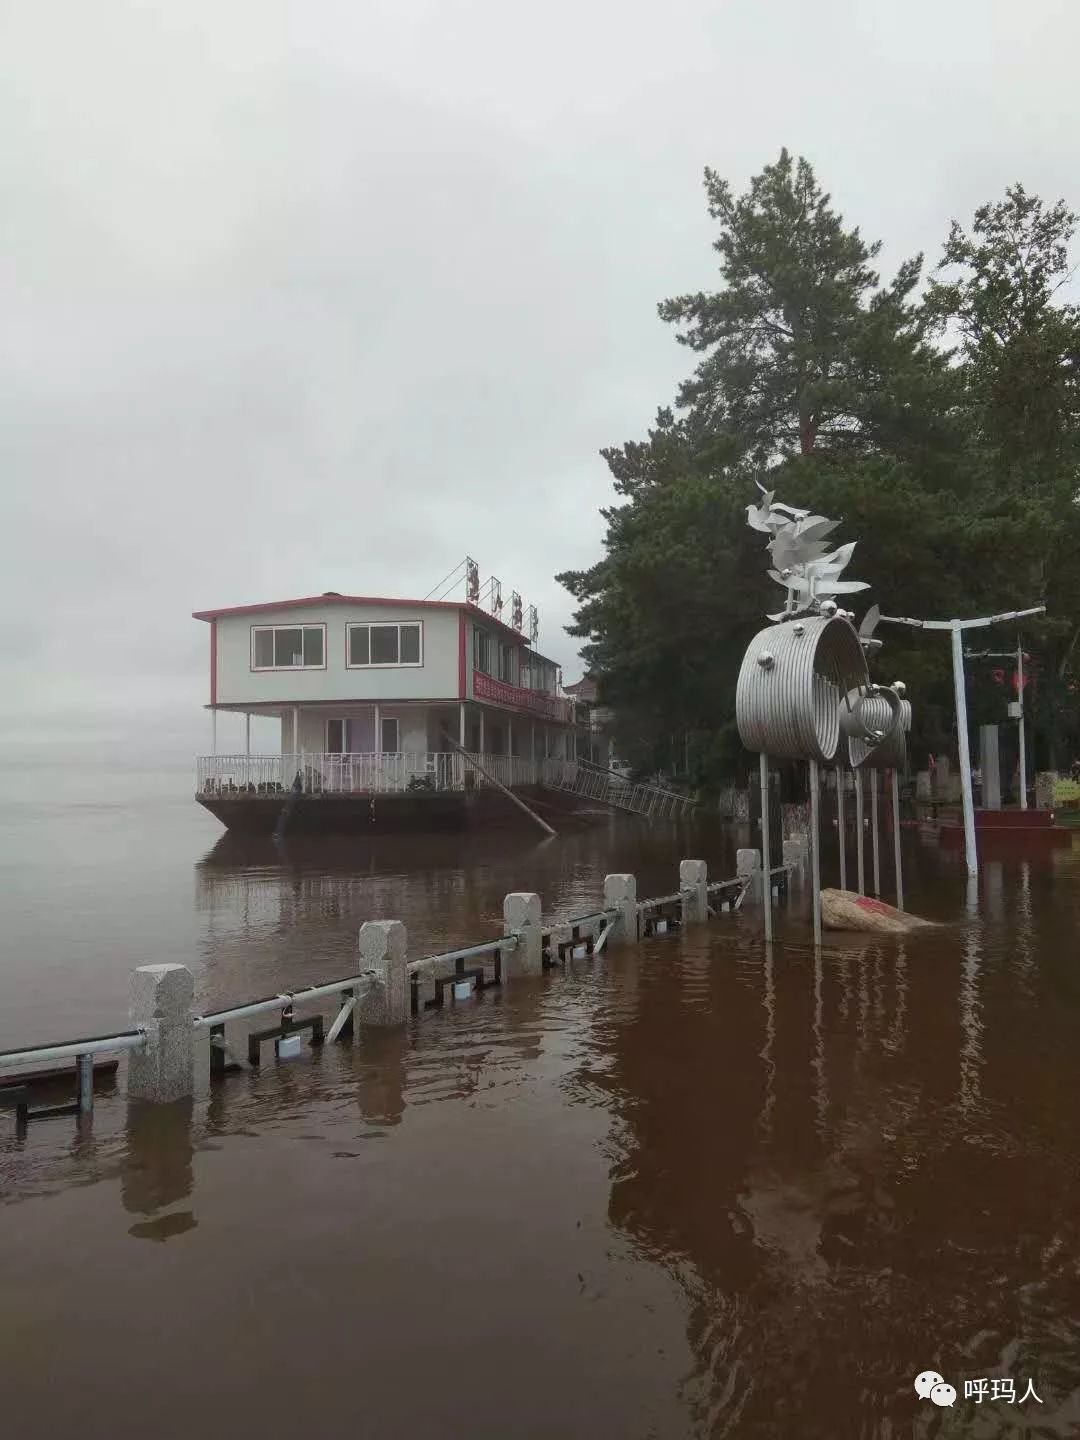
844 910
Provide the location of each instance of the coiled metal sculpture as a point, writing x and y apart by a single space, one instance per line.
804 687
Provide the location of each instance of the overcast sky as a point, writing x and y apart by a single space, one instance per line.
301 295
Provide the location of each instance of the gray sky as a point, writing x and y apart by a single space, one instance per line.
302 295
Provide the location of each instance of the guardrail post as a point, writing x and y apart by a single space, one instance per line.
521 918
694 881
160 1000
797 856
620 894
383 947
748 867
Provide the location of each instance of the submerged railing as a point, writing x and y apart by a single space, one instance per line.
168 1042
322 773
593 782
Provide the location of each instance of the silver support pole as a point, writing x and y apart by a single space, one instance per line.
1020 725
970 853
859 830
766 848
895 776
841 836
875 786
815 848
247 732
84 1083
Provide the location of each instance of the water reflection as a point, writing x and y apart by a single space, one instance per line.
158 1175
860 1204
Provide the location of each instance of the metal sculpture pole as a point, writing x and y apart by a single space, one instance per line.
859 822
766 847
895 778
841 836
1021 723
875 786
815 848
804 686
970 853
956 629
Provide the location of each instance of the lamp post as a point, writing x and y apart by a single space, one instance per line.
956 629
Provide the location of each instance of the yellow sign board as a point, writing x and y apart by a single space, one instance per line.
1066 791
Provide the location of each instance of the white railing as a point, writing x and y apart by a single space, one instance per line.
593 783
370 774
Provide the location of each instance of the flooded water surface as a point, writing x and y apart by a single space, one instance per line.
691 1188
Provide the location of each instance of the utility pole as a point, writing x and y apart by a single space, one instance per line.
956 629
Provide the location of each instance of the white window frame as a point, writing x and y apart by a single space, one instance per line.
382 664
390 720
302 626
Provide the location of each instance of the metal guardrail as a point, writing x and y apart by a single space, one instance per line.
73 1049
489 947
348 988
593 782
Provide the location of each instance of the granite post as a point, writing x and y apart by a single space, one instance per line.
694 885
620 894
160 1002
521 918
384 1000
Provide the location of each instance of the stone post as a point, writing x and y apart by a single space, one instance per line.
990 766
620 894
383 959
560 934
748 866
797 857
694 882
160 1002
521 917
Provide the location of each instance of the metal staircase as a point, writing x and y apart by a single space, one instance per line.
593 782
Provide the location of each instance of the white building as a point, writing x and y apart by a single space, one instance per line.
370 692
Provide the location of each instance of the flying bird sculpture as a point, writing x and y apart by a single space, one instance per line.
802 561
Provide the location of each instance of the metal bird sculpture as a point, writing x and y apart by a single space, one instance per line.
803 563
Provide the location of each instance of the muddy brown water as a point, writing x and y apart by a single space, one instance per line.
685 1190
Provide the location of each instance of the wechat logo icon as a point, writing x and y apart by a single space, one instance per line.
929 1385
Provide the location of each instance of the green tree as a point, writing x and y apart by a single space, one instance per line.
803 349
1018 353
944 434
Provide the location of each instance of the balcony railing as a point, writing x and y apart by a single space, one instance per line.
534 702
317 773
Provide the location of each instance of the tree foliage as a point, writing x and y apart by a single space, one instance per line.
944 428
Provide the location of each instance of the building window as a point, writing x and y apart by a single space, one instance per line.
384 644
481 651
508 663
288 647
389 737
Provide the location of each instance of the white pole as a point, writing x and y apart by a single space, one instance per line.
875 785
481 730
247 733
1020 725
896 839
378 732
815 848
840 778
296 729
970 853
213 731
859 831
766 848
461 724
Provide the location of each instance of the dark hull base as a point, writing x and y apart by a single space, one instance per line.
376 814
